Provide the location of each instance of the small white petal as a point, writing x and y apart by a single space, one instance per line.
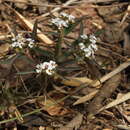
94 46
49 72
88 54
82 46
92 37
60 23
64 14
84 36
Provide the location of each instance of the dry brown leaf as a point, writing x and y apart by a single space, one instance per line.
85 98
52 107
104 93
76 81
2 37
73 124
117 101
126 44
4 48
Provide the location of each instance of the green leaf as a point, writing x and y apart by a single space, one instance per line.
73 25
34 32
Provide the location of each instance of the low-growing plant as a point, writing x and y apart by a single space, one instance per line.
54 63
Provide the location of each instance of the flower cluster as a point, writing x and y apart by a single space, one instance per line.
19 42
69 18
90 49
47 67
63 20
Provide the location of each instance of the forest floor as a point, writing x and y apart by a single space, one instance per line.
64 65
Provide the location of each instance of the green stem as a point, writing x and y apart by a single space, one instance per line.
58 51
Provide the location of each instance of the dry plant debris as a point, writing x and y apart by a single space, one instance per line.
64 64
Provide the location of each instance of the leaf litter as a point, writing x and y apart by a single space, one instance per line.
83 92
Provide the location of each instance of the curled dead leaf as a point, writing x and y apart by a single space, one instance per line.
52 107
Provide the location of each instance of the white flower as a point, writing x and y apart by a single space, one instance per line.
19 42
39 68
30 42
52 64
91 48
81 45
47 67
63 20
88 52
84 36
94 46
92 39
59 23
71 18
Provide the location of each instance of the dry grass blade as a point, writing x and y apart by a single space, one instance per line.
43 38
